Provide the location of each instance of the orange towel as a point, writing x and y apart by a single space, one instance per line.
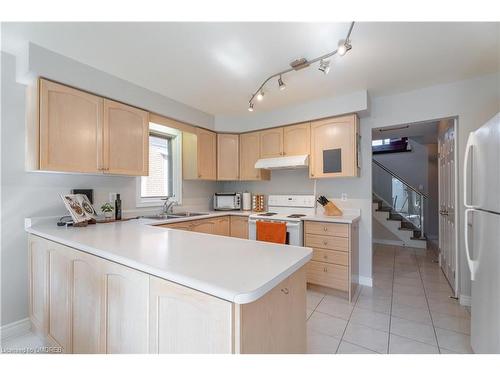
271 232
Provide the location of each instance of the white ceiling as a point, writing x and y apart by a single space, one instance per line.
216 66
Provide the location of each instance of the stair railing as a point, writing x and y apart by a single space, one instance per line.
391 187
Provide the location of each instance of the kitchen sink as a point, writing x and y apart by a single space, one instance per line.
187 214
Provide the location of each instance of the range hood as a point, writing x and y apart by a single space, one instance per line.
284 162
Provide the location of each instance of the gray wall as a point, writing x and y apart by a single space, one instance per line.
31 194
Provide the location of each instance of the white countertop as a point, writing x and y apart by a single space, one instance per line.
237 270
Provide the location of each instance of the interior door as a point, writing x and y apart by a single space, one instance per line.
447 210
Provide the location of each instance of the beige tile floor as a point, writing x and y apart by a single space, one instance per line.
407 311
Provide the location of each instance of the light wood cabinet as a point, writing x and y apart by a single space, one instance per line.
249 154
239 226
222 226
335 255
126 309
297 139
126 139
228 157
334 147
271 143
186 321
203 226
70 129
92 305
199 155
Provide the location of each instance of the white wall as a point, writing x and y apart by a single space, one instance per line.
29 194
473 101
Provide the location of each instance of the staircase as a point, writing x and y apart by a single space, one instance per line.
406 232
398 207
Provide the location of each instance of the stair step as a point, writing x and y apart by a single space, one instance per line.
394 219
418 238
408 229
384 209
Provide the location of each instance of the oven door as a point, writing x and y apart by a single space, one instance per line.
293 231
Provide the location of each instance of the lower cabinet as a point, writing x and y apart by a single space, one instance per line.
239 227
86 304
222 226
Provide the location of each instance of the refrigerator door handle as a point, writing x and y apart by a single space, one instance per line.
470 143
472 263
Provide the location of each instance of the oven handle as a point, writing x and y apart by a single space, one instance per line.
288 223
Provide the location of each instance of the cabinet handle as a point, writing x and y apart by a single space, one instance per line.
312 174
199 175
325 256
325 269
325 229
325 243
285 290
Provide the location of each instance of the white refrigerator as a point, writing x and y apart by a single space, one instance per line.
482 233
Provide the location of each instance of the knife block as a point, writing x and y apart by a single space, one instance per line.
332 210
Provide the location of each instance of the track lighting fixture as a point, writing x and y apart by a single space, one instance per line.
324 66
281 84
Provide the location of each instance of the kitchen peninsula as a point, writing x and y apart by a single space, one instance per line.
159 290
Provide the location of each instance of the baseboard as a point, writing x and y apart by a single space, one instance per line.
388 242
14 329
366 281
465 300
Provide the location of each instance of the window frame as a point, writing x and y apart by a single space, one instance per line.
176 139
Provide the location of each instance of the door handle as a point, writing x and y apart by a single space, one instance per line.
472 263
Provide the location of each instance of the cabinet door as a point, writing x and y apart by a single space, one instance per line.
187 321
239 227
59 299
207 155
181 225
222 226
271 143
203 226
228 152
38 268
334 147
249 154
125 311
297 139
70 129
87 304
126 139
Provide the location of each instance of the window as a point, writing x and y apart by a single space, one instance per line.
164 179
390 145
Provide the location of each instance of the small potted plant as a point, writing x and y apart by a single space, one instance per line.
107 208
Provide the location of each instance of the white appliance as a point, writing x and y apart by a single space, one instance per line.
227 201
284 162
482 233
287 209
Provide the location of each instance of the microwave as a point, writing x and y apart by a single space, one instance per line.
227 201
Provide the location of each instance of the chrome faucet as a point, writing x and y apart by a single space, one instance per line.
168 206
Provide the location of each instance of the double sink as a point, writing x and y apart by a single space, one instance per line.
172 216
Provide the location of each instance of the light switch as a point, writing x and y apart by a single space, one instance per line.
344 197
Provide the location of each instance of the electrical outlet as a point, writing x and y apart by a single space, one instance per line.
344 197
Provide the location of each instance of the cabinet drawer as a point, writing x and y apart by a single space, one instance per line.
327 229
327 242
329 275
331 256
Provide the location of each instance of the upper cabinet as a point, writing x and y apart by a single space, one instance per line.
126 139
249 154
69 130
334 147
271 143
297 139
228 149
199 155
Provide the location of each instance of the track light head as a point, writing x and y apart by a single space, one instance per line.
281 84
260 95
324 66
250 107
343 47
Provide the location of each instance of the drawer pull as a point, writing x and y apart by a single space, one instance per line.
325 256
325 243
325 229
325 269
285 290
